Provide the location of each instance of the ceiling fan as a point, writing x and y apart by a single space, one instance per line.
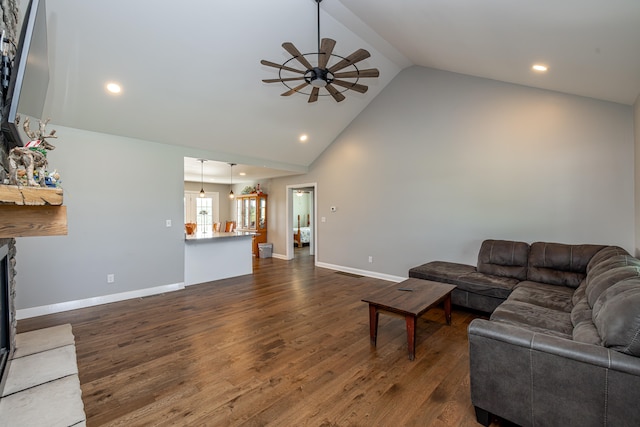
324 74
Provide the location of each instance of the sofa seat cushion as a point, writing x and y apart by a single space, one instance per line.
544 295
441 271
580 293
475 301
584 329
535 318
581 312
466 278
486 284
587 333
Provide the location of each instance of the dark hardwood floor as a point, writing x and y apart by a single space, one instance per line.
286 346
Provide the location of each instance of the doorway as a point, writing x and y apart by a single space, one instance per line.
301 223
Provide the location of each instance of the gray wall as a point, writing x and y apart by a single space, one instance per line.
118 192
434 165
440 161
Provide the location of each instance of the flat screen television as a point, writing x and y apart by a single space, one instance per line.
29 79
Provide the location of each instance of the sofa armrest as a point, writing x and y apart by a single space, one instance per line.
535 379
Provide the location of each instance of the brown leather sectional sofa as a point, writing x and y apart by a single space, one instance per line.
562 346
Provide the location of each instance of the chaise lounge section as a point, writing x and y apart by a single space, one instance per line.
502 264
563 346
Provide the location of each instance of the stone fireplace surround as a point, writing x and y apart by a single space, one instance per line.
11 262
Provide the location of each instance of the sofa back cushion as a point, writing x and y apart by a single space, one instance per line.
560 264
616 315
598 283
612 262
504 258
604 254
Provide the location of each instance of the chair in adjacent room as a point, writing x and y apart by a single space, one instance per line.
230 226
190 228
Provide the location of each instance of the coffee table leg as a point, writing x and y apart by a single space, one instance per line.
447 309
373 324
411 335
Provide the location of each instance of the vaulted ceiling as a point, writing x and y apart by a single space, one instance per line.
191 75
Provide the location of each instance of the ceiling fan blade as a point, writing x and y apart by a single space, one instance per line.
354 86
295 89
371 72
356 56
289 47
288 79
326 47
314 94
282 67
334 92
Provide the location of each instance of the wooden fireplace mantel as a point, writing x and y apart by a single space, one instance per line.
31 211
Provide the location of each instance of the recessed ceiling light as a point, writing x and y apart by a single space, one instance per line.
243 173
303 138
114 88
539 67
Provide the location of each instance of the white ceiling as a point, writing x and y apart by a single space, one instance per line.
191 72
592 47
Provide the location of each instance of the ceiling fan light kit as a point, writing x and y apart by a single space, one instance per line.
323 75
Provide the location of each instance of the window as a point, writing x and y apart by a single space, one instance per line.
204 211
204 219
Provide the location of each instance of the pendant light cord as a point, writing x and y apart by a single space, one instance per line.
201 177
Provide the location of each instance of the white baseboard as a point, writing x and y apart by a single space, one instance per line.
279 256
366 273
26 313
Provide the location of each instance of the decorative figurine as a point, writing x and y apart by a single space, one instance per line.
32 157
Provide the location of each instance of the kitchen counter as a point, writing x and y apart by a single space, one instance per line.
217 255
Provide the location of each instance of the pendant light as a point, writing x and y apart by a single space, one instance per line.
201 176
231 195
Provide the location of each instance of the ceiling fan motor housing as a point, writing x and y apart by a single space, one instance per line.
318 77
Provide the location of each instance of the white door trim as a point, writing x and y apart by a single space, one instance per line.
313 243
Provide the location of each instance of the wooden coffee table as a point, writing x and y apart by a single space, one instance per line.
411 299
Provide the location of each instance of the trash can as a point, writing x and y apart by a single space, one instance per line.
265 250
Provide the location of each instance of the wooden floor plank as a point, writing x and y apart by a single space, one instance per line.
288 345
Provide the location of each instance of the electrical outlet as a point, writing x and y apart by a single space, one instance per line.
168 223
370 258
111 278
323 219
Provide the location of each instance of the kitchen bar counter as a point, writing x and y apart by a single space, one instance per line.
216 235
217 255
